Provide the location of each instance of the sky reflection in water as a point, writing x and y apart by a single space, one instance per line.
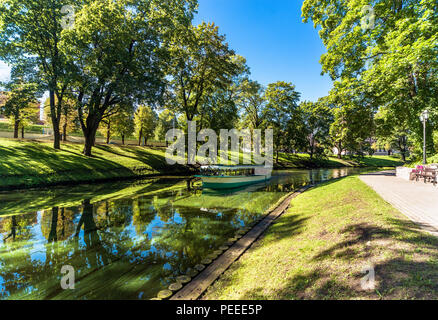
124 240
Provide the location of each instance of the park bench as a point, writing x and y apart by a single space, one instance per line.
418 172
429 174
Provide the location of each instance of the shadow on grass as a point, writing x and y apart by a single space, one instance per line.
298 161
410 272
403 255
28 164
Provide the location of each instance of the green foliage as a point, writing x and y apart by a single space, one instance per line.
201 63
282 114
316 127
69 121
353 125
393 63
21 105
30 37
145 120
114 53
166 121
392 131
122 124
251 102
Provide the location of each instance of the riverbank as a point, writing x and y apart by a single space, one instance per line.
303 161
320 247
30 163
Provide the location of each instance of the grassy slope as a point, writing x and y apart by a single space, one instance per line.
24 163
303 161
431 160
319 248
29 164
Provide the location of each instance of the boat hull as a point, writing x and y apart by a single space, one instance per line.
230 182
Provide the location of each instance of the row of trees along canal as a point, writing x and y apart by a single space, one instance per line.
142 67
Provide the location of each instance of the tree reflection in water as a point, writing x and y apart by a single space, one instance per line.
132 245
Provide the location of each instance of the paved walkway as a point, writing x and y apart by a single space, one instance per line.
417 200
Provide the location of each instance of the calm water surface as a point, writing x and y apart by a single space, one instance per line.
125 240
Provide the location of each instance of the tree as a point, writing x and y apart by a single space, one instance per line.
219 111
145 123
201 62
251 102
166 121
69 116
352 128
281 112
317 120
30 34
123 125
394 57
118 57
21 104
392 131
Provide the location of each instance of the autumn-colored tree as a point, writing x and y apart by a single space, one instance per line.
21 105
145 120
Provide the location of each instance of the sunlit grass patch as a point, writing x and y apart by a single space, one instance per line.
289 160
26 163
319 249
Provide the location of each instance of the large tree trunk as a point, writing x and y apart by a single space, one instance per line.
123 139
90 138
312 148
55 121
22 132
89 129
64 131
140 135
339 151
16 127
402 145
90 135
108 132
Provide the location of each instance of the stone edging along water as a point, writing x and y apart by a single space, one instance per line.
187 288
226 256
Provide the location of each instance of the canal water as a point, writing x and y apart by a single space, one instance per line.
125 240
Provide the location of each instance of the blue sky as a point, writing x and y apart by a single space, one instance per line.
274 40
272 37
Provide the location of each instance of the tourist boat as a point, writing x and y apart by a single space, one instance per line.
228 177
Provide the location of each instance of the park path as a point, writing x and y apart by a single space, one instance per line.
416 200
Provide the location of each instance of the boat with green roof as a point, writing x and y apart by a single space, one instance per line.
229 177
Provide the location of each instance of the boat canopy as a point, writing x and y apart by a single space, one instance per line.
219 170
226 168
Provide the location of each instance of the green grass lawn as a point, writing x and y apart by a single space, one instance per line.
304 161
34 128
27 164
318 250
430 160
